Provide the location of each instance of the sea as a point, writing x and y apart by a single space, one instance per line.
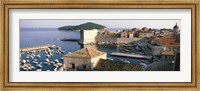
30 37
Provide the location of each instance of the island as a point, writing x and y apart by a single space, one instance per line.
84 26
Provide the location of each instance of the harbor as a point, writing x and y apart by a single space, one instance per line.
41 58
46 54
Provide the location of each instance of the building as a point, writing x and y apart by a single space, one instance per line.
83 59
143 34
88 36
168 55
158 45
124 34
161 66
109 65
176 29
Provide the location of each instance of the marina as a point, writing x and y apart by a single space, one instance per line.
40 58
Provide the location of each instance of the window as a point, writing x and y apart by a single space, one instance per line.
84 66
73 65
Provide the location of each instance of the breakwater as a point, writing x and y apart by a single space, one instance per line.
130 55
36 48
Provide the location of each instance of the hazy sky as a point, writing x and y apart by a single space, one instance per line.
28 23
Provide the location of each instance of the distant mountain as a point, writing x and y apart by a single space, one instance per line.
84 26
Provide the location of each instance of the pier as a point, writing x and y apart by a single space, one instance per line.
36 48
130 55
75 40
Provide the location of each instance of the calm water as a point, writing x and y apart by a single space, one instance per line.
41 36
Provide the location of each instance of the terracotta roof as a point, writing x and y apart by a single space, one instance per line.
108 65
168 52
168 42
85 53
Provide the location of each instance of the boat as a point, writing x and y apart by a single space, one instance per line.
32 57
47 63
23 61
59 64
26 69
47 56
55 69
55 65
39 66
27 57
56 60
52 46
47 60
32 67
35 62
61 69
39 69
39 50
29 68
38 56
51 54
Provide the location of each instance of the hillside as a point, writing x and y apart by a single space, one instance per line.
84 26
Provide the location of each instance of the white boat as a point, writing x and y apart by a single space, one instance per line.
39 69
38 56
55 65
46 52
51 54
59 64
47 60
29 68
47 63
55 69
39 50
56 60
39 65
33 51
32 67
26 69
23 61
47 56
61 69
35 62
27 57
32 57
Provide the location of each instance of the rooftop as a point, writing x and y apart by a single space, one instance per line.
168 52
161 66
85 53
108 65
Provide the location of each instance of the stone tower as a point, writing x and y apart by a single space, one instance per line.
176 29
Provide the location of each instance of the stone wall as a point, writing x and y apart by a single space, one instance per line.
127 40
106 38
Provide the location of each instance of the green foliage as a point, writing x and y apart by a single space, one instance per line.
85 26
